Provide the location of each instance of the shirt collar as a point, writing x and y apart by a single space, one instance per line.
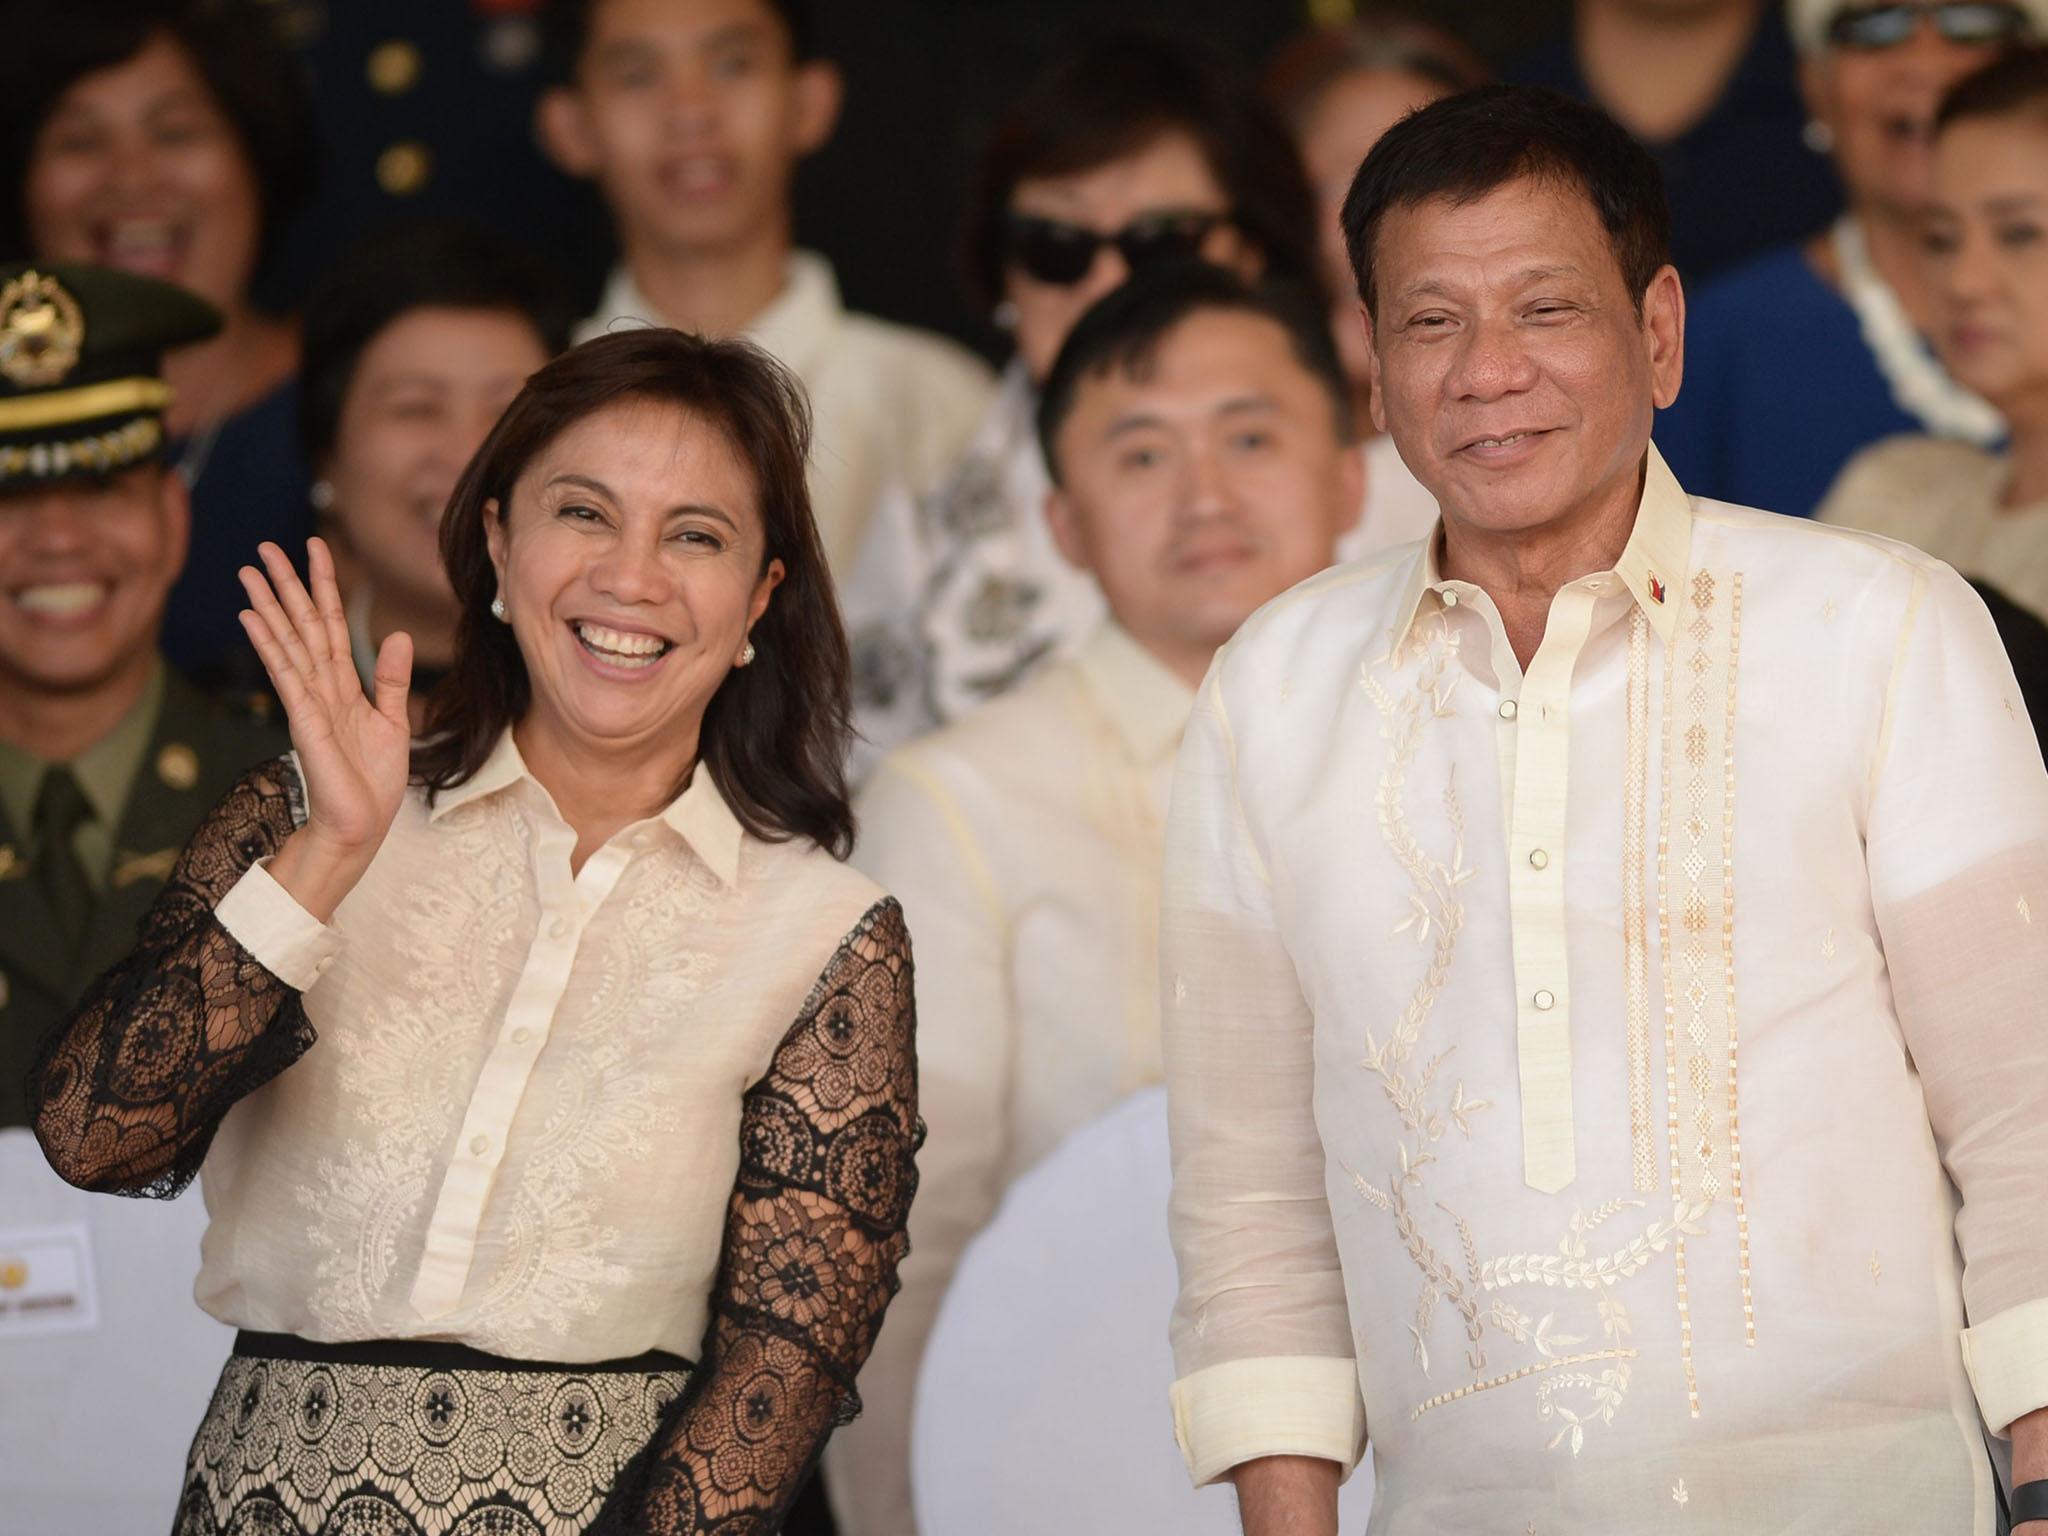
1652 563
700 815
105 770
798 327
1146 702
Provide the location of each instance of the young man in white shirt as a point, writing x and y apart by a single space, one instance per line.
1197 433
1601 948
691 116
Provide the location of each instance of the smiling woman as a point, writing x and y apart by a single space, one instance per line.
485 1012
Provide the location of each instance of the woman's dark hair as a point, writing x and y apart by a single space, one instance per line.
2016 82
1388 42
776 732
1465 146
1111 90
234 45
426 265
566 32
1123 331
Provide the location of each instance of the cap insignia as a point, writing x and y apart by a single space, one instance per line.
42 331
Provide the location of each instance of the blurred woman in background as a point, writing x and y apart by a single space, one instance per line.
173 138
1986 237
1129 146
1340 88
1798 359
414 345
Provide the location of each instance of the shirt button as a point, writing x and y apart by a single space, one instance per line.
1450 599
521 1036
1545 1000
482 1144
1509 709
561 928
1538 859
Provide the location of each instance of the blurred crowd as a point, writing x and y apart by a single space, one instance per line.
1859 193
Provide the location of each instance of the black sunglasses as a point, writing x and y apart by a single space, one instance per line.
1980 23
1054 251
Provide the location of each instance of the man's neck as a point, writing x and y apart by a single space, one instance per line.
1659 68
1189 663
714 292
1522 571
59 727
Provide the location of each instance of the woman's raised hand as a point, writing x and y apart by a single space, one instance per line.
353 751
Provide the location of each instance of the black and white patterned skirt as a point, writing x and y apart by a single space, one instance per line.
412 1439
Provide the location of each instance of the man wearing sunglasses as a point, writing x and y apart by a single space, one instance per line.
1801 358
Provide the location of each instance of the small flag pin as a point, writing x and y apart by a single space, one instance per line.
1656 590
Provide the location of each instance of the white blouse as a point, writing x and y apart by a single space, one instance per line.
1612 1088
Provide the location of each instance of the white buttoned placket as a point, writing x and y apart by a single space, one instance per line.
567 904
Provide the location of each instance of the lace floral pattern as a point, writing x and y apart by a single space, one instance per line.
128 1092
813 1238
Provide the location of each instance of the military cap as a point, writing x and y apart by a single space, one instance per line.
81 367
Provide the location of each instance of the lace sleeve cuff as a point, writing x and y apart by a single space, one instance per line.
282 936
1285 1405
2007 1358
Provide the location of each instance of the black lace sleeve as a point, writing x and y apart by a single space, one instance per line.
812 1240
126 1093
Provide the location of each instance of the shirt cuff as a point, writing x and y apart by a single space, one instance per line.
287 940
1282 1405
2007 1358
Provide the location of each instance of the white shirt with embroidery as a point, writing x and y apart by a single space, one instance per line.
521 1124
892 407
1024 842
1613 1090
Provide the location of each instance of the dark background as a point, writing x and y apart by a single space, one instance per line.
924 78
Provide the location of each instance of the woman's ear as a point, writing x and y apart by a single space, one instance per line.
764 589
494 537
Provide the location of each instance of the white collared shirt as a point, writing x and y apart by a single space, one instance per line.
1024 843
519 1126
1585 1080
891 406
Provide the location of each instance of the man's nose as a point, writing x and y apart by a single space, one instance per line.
1492 362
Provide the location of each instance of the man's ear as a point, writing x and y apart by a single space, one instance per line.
1068 535
1372 370
561 122
1664 334
820 95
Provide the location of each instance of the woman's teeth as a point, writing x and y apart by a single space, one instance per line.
61 599
620 648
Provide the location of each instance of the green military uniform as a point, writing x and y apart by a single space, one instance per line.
82 394
152 781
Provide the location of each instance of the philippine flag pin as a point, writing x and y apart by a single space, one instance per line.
1656 590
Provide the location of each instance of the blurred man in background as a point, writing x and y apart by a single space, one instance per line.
691 115
1199 439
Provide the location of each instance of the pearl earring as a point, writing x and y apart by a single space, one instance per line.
746 653
498 610
322 495
1818 137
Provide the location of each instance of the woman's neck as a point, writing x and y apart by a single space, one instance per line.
598 793
1660 68
432 631
215 379
1893 240
2026 482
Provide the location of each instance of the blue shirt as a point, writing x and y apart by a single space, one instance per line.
1780 389
252 486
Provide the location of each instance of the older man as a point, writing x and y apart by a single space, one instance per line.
1601 1012
1197 434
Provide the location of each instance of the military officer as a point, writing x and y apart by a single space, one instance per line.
107 758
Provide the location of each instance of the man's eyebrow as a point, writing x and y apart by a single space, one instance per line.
1430 287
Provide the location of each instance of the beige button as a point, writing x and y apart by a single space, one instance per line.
482 1144
393 67
1545 1000
1450 599
1538 859
1509 709
561 928
404 168
178 766
521 1036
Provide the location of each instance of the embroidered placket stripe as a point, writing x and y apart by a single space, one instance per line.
1635 906
566 907
1536 869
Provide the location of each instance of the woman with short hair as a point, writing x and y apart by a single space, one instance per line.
552 1078
172 138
